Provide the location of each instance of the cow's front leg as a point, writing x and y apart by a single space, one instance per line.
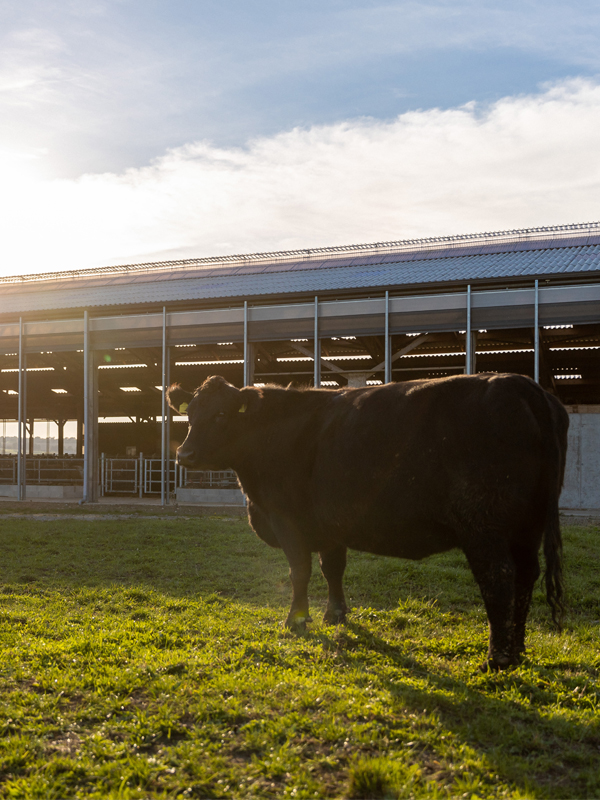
333 564
300 562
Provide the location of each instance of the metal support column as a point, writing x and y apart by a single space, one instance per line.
20 414
90 418
387 343
317 347
536 335
168 426
163 430
86 408
247 355
469 340
25 433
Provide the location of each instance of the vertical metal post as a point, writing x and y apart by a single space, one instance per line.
163 437
246 378
469 342
91 471
536 334
141 476
20 417
25 437
87 423
387 343
317 347
168 426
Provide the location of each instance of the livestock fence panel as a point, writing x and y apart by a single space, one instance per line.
43 471
129 476
209 479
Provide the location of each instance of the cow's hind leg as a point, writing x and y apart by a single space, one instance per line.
333 564
527 567
494 571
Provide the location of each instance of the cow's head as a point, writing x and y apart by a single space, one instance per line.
218 414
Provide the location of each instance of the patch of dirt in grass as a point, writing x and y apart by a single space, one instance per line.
67 744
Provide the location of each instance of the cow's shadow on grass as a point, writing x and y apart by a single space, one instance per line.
518 720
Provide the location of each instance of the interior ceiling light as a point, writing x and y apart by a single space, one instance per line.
185 345
31 369
555 327
222 344
208 363
330 383
431 355
504 352
121 366
10 391
60 391
568 377
577 347
326 358
462 353
129 389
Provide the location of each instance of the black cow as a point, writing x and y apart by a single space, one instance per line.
406 469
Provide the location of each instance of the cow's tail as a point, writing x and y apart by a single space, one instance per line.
553 577
556 451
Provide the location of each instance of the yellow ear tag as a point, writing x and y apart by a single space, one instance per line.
183 408
242 409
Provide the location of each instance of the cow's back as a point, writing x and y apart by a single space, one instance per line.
403 469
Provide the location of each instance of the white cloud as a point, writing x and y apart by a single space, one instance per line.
523 161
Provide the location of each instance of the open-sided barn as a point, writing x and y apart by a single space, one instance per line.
98 346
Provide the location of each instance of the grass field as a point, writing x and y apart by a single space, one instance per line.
146 658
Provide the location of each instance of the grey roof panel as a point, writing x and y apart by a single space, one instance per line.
381 271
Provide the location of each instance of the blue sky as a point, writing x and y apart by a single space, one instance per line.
110 110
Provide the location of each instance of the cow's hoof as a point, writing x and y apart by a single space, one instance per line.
297 622
334 616
497 663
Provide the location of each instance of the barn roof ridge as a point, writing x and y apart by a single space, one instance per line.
543 237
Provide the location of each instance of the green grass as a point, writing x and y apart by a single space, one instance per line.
146 658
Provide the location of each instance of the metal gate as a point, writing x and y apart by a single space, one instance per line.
120 475
153 475
136 476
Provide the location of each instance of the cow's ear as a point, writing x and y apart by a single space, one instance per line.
249 399
178 398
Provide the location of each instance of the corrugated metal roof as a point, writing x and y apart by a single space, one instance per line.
352 272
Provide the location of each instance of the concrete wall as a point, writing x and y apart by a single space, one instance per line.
581 488
44 492
217 497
